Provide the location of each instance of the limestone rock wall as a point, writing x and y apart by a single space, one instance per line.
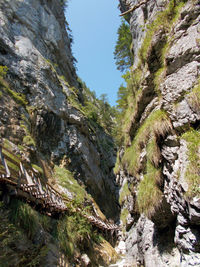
36 48
162 225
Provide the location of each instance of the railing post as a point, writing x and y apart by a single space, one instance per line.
4 163
19 180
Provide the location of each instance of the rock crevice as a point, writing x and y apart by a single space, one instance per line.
167 235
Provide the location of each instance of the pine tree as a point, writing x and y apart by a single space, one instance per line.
122 98
122 53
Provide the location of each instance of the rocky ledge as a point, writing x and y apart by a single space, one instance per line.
160 185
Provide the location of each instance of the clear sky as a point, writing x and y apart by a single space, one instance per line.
94 25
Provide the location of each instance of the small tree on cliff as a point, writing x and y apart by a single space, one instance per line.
64 3
122 54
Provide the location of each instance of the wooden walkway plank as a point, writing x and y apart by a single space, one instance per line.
27 185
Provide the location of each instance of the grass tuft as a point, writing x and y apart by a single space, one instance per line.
16 249
194 98
74 232
146 141
17 97
117 165
165 19
124 215
25 217
153 152
67 180
124 193
149 196
193 168
157 125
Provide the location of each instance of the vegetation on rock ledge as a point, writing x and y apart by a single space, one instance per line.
140 136
192 138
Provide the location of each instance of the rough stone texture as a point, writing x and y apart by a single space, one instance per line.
35 46
138 19
85 261
183 67
153 248
187 232
177 243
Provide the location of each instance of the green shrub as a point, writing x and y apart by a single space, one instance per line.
28 140
25 217
16 249
73 233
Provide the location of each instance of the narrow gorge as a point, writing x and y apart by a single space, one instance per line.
86 184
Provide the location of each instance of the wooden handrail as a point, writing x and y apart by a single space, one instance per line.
55 204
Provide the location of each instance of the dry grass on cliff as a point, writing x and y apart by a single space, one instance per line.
149 195
153 152
135 94
144 156
156 126
165 19
66 180
4 87
123 215
192 174
124 193
16 248
194 98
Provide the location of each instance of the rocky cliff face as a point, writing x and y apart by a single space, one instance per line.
43 118
160 173
36 49
42 113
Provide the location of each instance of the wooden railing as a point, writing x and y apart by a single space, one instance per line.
23 181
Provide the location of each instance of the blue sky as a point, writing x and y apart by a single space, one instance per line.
94 25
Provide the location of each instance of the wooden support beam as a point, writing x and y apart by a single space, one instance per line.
11 160
22 194
5 180
4 163
134 7
27 187
9 151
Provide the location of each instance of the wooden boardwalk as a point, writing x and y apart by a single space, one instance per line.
19 179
